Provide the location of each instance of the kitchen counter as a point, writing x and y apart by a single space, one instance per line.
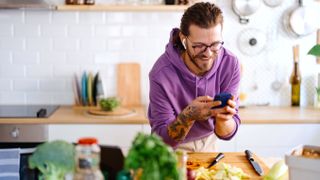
249 115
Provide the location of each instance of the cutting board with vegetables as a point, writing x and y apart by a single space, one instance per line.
237 159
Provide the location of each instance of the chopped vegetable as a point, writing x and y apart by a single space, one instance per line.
279 171
53 159
223 172
152 159
109 104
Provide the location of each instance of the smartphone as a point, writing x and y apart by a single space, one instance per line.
223 97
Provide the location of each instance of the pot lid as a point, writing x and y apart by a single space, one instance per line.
251 41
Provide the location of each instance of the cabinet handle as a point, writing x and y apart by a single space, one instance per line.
15 132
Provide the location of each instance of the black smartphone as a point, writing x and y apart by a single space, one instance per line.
223 97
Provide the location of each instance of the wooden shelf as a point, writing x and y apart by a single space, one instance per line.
109 7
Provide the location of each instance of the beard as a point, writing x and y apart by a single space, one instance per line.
201 61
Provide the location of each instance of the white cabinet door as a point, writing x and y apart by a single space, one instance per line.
146 128
276 139
119 135
227 146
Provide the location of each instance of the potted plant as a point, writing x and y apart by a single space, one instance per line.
315 51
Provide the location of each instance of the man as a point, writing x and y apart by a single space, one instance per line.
194 68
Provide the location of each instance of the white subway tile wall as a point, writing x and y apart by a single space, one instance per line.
40 51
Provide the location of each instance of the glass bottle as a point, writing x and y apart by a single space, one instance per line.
295 79
87 160
182 158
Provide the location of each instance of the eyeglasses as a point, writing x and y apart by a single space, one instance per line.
201 47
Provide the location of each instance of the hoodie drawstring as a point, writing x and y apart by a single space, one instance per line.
205 86
196 87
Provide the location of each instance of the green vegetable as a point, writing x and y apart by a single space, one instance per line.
279 171
315 50
153 157
109 104
53 159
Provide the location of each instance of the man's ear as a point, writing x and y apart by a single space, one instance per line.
183 40
184 43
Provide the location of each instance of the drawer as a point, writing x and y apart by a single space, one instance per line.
119 135
23 133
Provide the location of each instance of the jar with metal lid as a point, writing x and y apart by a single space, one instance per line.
89 2
88 160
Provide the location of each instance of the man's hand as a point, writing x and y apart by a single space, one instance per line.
225 113
224 122
198 109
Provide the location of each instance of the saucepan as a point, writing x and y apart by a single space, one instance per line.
245 8
301 20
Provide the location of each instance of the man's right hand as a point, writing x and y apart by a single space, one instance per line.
200 108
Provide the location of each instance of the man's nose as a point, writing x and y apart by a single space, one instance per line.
207 52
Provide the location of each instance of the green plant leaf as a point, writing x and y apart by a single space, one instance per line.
315 50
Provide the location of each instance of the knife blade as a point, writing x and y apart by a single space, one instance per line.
216 159
257 168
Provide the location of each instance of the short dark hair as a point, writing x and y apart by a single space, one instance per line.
202 14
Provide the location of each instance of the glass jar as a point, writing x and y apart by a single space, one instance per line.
182 158
88 160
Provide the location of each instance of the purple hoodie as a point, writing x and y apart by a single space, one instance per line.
173 87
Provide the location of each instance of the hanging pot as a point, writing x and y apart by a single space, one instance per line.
301 20
244 8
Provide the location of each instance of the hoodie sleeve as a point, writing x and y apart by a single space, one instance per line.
233 89
160 112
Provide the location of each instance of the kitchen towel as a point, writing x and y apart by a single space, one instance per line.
9 164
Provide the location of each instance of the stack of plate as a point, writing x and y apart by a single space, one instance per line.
88 89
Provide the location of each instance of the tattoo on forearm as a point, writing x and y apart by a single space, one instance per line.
179 128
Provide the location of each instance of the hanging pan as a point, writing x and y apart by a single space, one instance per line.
245 8
301 20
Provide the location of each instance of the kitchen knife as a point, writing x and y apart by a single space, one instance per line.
216 159
254 164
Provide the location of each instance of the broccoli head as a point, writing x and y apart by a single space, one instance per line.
53 159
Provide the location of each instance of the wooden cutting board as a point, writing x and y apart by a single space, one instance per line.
128 84
120 111
238 159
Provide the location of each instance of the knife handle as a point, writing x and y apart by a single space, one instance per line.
219 157
249 155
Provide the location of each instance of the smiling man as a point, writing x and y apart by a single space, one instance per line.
194 68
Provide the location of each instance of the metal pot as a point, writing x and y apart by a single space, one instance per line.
301 20
244 8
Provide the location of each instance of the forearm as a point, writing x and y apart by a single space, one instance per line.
179 128
225 128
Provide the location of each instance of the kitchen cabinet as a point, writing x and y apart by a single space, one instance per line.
120 135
